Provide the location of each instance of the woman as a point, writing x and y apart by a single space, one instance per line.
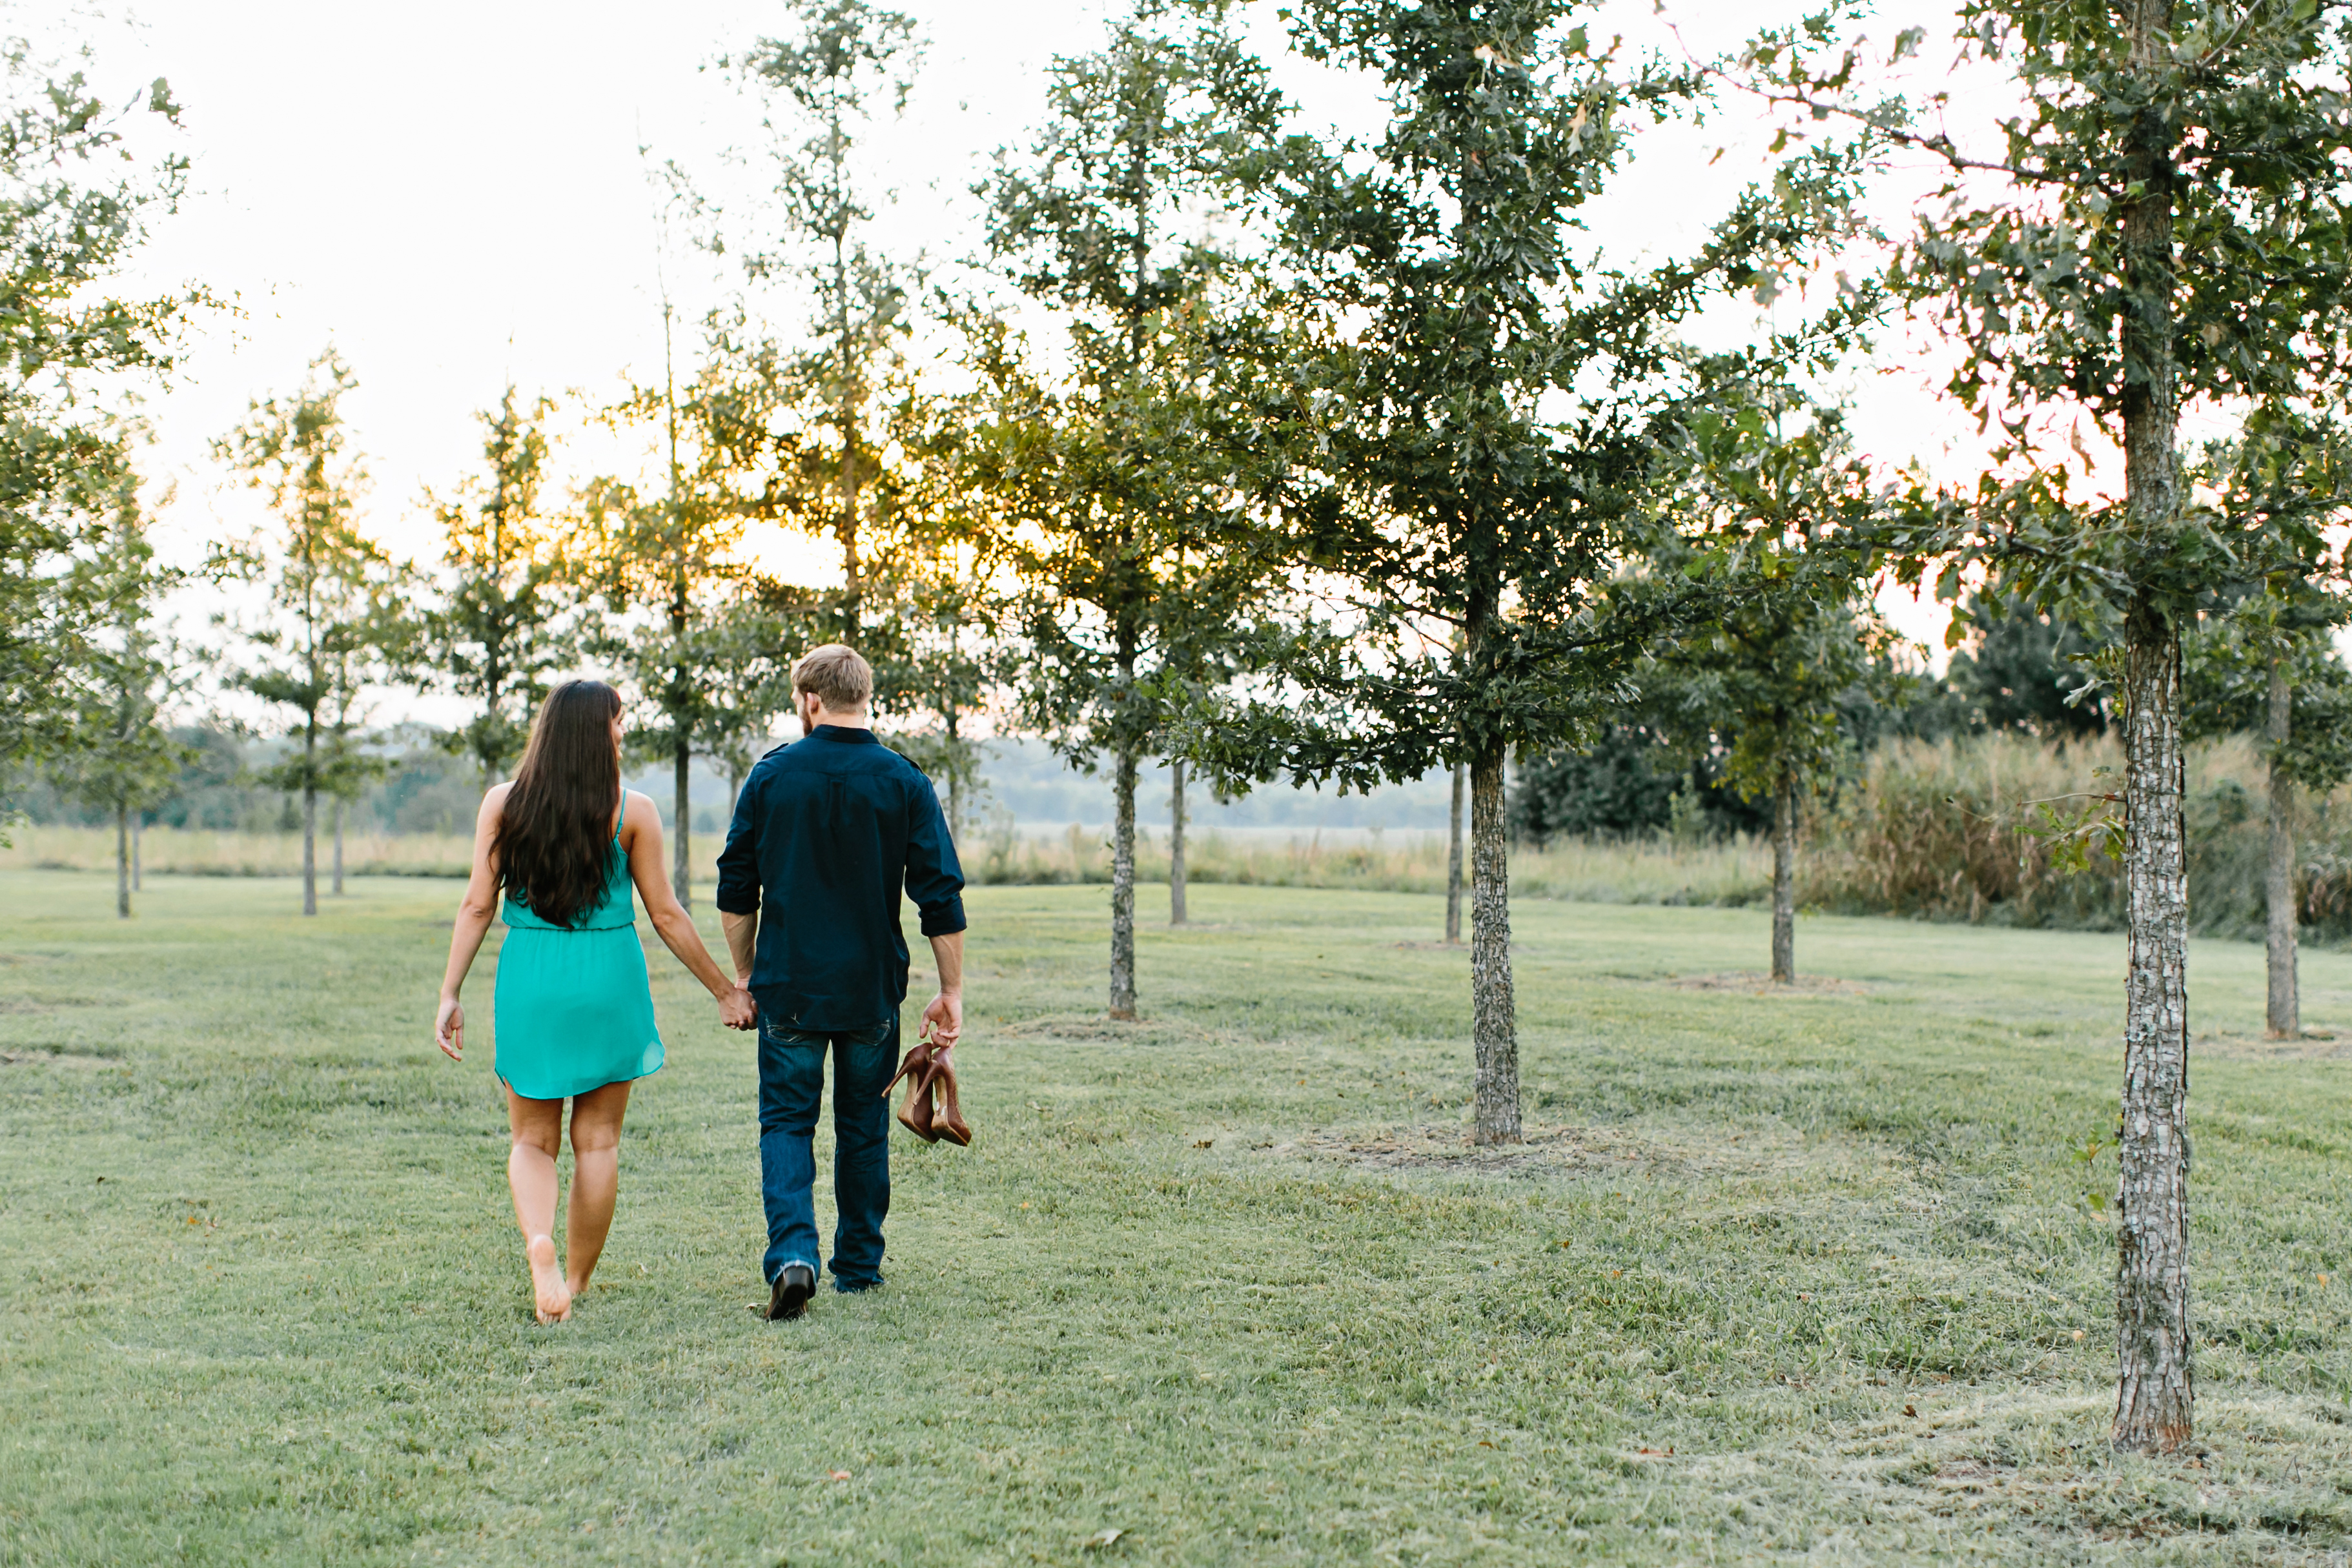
574 1012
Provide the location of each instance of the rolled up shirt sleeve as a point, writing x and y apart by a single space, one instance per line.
738 862
934 875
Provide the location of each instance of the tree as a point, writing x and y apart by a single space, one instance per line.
117 754
2028 670
508 619
1100 460
2160 219
331 613
1763 684
821 429
943 656
1619 783
1472 412
346 765
2267 667
841 67
686 621
77 195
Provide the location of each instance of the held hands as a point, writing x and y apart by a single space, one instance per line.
449 1029
737 1010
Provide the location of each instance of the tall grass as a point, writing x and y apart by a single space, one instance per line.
1951 832
1948 831
1735 870
186 851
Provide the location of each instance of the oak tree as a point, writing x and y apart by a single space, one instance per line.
506 618
2145 209
115 753
1471 413
1102 450
79 186
1760 688
331 615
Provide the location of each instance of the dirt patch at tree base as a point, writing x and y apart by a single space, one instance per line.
1614 1152
1765 986
1093 1028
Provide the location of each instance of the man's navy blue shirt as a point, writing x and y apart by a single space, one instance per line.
826 831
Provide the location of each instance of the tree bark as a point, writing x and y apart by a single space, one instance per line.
310 828
1784 881
680 881
335 813
1493 1009
138 827
122 860
954 769
1453 865
2154 1392
1122 891
1176 844
2283 1009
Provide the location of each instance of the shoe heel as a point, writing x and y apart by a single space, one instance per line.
950 1120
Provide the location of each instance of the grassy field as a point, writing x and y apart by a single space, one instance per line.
1818 1276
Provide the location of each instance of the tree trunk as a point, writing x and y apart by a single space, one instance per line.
2282 1010
851 403
2153 1394
1494 1010
1176 844
2153 1402
1453 865
1122 891
955 769
679 881
138 827
1784 881
122 860
336 813
309 829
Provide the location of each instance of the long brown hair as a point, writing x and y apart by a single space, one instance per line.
554 840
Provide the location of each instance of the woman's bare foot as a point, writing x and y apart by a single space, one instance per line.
553 1296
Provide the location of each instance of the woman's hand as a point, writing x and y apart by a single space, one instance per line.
449 1029
737 1010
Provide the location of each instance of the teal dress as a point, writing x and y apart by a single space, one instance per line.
575 1008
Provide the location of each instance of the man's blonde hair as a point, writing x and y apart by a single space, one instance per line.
842 679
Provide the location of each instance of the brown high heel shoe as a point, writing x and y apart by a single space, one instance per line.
948 1122
918 1070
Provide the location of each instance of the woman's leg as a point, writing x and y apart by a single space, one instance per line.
537 1126
595 1179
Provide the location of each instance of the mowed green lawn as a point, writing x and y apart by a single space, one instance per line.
1819 1276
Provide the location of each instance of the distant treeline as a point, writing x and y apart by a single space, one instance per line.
427 789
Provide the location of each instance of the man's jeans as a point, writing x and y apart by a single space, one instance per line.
791 1082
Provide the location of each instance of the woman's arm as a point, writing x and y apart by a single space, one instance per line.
641 833
474 913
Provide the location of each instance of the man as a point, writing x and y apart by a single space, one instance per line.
826 831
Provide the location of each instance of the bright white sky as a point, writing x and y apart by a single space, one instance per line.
451 191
